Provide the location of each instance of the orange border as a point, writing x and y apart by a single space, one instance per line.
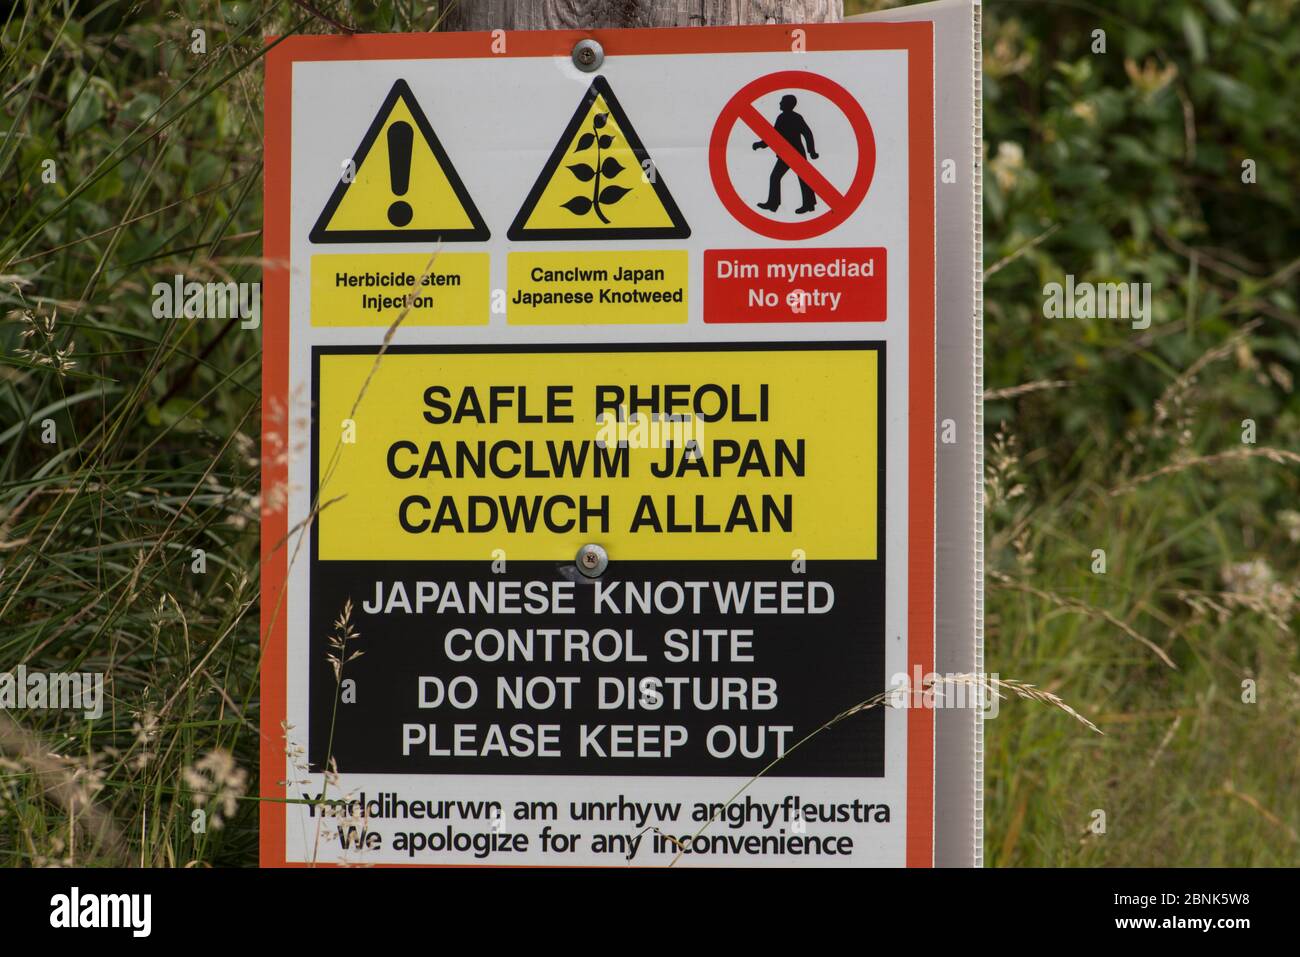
276 168
916 38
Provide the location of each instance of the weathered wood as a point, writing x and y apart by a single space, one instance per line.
598 14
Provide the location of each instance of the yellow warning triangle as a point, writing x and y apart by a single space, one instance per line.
600 182
403 187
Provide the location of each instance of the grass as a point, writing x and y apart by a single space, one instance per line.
1100 436
155 424
1190 771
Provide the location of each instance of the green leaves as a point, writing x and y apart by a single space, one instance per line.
184 415
1194 33
1223 11
141 107
87 103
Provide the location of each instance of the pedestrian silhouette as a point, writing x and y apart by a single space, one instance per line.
795 131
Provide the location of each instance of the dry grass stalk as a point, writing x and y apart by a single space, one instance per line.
1278 456
999 580
992 686
1264 812
1025 388
69 784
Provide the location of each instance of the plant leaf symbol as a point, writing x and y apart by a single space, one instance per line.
578 205
602 168
584 172
613 193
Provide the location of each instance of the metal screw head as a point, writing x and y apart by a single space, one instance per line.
592 560
588 55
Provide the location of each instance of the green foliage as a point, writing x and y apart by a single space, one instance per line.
155 171
1127 166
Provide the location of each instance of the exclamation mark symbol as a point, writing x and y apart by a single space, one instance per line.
400 137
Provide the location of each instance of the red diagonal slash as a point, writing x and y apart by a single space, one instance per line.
782 148
740 110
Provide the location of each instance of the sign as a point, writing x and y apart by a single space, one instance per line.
599 442
791 139
408 192
600 183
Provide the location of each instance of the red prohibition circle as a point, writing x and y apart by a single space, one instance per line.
740 109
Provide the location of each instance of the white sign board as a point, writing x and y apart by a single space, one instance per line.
599 435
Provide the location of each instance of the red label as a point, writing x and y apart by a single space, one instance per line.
795 285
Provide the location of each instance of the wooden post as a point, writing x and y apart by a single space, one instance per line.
604 14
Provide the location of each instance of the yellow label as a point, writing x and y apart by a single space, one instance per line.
373 289
597 288
457 454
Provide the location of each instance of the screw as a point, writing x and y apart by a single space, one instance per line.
588 55
592 560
